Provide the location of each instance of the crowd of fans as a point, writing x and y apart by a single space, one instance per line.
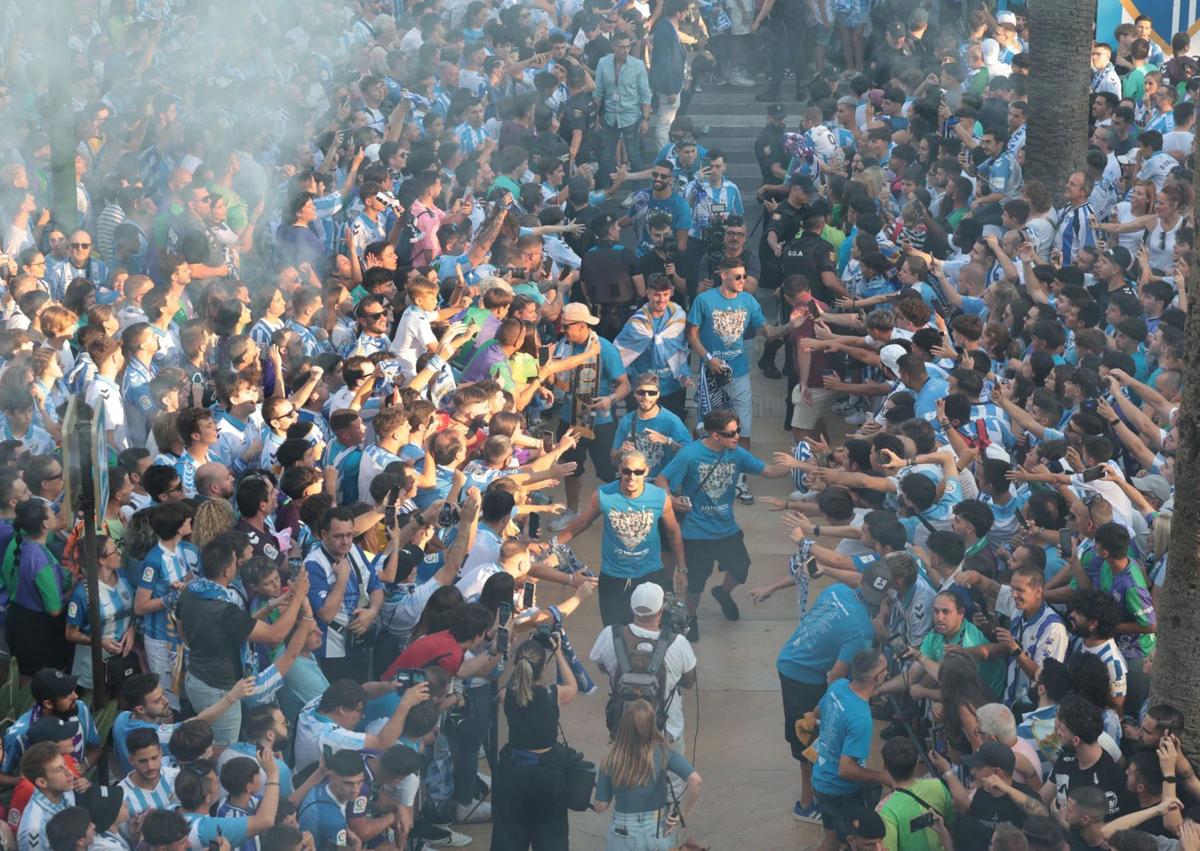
353 287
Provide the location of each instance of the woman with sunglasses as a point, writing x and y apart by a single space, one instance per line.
116 613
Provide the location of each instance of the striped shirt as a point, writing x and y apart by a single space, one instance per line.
1043 636
161 797
1110 655
38 811
314 731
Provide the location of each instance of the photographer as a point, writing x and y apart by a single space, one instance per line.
664 256
678 669
528 806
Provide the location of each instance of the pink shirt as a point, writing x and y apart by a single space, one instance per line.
427 218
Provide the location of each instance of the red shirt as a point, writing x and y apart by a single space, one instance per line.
808 311
437 648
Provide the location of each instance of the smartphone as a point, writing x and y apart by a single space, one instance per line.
527 594
811 567
1003 621
547 440
1093 473
1021 518
543 355
1064 543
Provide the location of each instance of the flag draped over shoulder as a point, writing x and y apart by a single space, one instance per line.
666 335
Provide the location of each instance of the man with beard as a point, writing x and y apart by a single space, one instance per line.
146 708
636 514
650 429
1082 761
54 695
150 784
263 727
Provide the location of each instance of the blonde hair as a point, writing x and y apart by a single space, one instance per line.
630 760
213 517
528 664
876 182
1160 534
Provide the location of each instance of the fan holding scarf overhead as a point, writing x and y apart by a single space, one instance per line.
654 340
588 393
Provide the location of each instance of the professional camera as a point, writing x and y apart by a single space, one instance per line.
548 635
448 516
674 614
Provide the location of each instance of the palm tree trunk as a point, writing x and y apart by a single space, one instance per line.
1176 673
1060 45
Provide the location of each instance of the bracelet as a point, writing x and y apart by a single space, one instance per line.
816 531
271 783
1169 778
682 570
1114 423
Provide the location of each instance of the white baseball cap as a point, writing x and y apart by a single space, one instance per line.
890 355
647 599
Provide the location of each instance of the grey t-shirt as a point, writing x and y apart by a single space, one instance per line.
651 796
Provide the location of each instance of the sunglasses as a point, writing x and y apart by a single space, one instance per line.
738 277
52 478
374 315
628 471
733 433
81 245
645 392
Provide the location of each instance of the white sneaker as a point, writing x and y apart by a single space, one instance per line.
563 521
454 839
473 813
737 78
743 494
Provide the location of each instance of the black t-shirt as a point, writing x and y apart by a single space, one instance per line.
579 113
607 275
994 812
768 148
215 631
1078 843
1105 774
264 544
811 256
595 50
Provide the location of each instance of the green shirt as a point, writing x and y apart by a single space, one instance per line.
993 671
899 809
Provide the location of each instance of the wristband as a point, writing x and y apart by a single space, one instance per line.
1114 423
436 362
271 783
816 531
682 570
1169 778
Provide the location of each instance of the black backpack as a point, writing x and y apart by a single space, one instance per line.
640 675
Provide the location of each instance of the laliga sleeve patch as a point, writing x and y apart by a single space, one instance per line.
144 403
72 609
148 574
341 839
360 805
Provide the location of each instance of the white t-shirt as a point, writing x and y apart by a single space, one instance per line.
680 659
413 336
1178 142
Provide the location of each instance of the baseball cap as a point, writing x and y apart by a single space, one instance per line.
371 152
876 581
49 683
997 453
51 729
103 803
896 29
992 755
1006 17
576 312
890 355
867 825
1154 485
804 181
776 110
918 18
1120 255
647 599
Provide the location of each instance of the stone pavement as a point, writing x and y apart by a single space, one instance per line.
734 719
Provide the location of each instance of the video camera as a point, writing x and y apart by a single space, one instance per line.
674 614
548 635
408 677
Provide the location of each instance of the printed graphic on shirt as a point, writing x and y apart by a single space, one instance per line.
729 325
631 527
652 450
717 476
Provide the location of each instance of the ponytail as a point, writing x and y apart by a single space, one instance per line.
528 664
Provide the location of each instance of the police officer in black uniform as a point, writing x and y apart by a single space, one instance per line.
578 116
768 147
784 223
807 253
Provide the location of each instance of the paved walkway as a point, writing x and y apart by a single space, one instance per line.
734 719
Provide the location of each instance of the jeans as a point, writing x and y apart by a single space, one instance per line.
160 657
471 732
741 400
660 121
638 832
225 728
608 151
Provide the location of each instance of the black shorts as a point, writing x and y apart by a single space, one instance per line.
838 812
799 699
727 554
598 448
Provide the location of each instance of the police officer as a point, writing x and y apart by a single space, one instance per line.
783 225
807 253
576 126
768 147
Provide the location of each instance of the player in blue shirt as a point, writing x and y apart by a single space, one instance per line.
840 777
652 430
328 808
830 633
705 471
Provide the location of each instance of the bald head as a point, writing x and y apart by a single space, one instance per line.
214 481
